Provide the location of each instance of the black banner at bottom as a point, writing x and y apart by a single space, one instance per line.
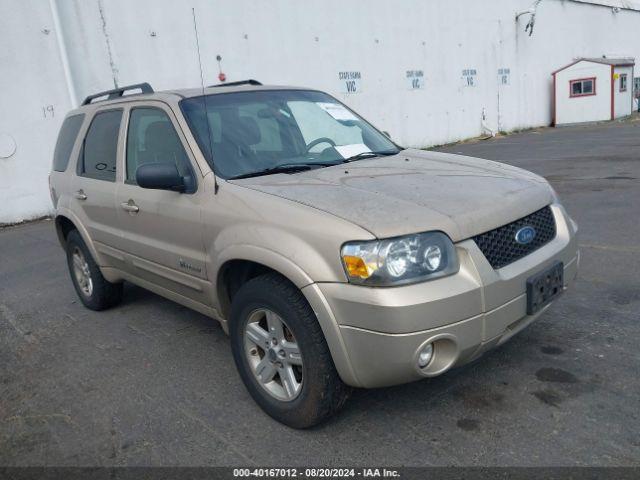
407 473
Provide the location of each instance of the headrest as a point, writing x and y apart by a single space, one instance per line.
159 136
248 131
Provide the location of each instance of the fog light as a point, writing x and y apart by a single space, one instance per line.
426 354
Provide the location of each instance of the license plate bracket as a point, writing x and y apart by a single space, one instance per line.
544 287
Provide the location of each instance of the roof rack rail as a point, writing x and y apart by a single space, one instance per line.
251 81
118 92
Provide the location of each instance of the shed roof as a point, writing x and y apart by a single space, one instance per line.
616 62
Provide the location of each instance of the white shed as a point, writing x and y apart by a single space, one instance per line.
592 90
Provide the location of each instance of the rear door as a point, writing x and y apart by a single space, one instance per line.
94 185
161 230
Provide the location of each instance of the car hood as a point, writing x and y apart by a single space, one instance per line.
415 191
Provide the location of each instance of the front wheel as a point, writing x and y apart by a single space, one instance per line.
281 354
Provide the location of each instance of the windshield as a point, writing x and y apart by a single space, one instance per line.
257 131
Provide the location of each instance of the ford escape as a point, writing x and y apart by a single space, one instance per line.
332 257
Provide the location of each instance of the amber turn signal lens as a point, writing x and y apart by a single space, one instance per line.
356 266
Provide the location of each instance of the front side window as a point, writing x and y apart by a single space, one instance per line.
251 132
623 82
66 140
151 138
582 87
99 153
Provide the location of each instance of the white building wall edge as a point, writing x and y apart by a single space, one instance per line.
61 49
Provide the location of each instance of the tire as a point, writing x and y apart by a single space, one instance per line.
321 392
101 294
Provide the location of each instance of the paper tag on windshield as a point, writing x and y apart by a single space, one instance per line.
350 150
337 111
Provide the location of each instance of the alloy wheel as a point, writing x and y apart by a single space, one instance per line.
81 272
273 354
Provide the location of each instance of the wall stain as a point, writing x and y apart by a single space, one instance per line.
112 64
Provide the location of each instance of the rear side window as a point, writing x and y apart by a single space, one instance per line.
66 140
98 158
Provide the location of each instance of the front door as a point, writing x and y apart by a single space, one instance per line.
161 229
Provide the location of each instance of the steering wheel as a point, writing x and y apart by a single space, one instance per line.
320 140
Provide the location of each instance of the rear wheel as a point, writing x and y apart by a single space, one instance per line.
281 354
94 290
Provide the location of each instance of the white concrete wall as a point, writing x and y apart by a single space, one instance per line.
589 108
302 43
623 100
34 100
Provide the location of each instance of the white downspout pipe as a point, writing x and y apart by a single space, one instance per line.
485 126
73 97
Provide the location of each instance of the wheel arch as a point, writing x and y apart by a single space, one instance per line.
254 261
65 222
63 227
240 263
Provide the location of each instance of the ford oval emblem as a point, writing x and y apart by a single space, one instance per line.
525 235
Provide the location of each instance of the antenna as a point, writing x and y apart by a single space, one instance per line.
204 100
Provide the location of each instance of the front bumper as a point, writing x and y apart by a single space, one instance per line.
375 334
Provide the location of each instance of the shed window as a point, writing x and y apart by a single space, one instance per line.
582 87
623 82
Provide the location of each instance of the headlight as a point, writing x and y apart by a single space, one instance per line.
401 260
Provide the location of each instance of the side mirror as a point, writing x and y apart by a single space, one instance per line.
160 176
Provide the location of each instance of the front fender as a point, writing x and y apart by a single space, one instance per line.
303 256
301 279
264 256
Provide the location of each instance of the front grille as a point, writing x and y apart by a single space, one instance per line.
499 246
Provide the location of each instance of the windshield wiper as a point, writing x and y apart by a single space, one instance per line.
287 168
300 167
363 155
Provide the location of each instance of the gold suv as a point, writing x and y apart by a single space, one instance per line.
332 257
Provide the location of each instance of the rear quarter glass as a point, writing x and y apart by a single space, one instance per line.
66 140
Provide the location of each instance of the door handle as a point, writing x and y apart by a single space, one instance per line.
130 206
80 195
